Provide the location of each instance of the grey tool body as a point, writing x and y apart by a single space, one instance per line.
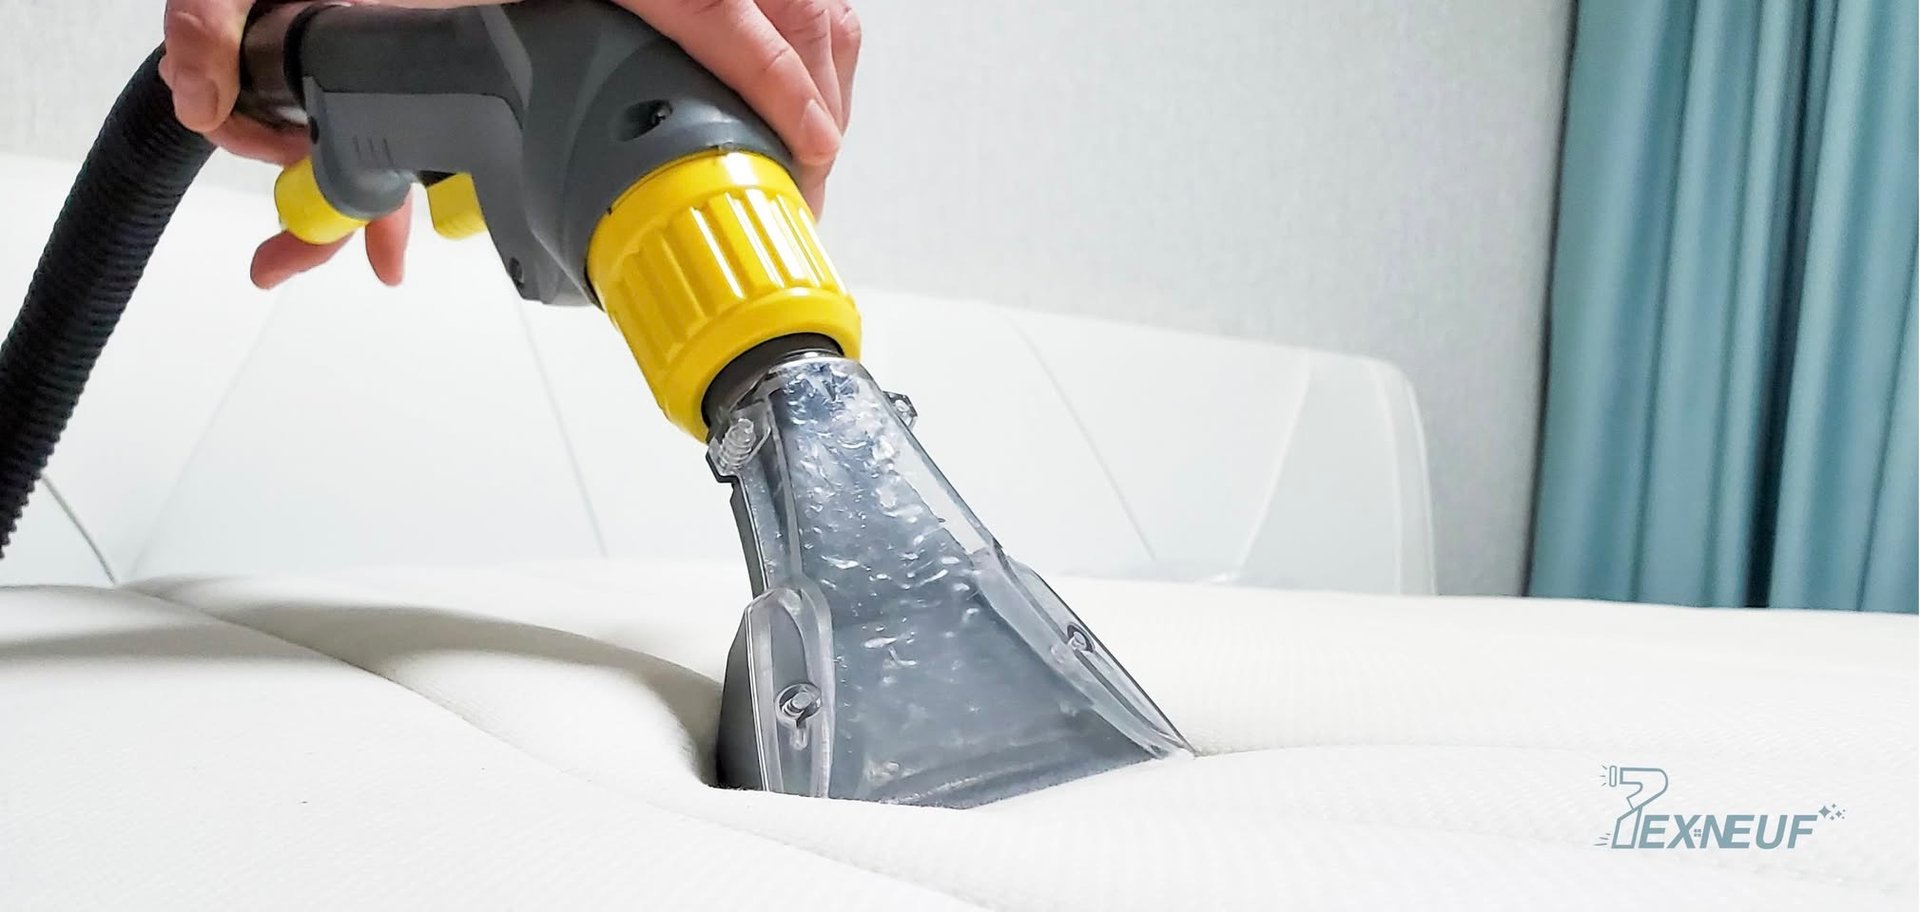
555 107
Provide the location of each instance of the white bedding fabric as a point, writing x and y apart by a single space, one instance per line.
536 737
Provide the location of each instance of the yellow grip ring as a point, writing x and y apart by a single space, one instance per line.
705 258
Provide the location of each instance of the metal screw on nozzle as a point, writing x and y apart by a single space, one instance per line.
796 704
799 701
735 446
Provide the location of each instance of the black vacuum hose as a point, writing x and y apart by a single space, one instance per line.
140 165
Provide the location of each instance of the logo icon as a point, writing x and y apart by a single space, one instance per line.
1637 827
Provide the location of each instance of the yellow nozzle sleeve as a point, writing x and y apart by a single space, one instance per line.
304 210
705 258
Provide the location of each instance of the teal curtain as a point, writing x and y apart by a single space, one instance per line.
1730 363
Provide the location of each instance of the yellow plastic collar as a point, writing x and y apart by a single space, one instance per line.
705 258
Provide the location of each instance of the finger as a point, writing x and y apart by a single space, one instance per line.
846 55
284 256
734 40
387 243
250 139
808 29
202 64
812 181
429 4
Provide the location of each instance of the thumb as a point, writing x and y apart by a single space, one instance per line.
202 64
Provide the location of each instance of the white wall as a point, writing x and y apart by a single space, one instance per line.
1370 176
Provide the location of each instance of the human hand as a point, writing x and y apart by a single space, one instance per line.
791 60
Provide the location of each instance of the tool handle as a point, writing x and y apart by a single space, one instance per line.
539 115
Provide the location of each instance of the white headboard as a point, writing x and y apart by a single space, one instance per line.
336 423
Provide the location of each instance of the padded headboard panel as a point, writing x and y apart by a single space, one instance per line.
337 423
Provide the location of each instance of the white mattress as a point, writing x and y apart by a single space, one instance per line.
536 737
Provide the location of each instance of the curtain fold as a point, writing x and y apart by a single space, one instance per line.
1730 392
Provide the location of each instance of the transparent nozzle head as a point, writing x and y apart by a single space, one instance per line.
893 651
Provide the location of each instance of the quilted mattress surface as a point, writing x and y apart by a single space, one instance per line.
537 737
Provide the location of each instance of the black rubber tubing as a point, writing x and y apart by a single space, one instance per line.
140 165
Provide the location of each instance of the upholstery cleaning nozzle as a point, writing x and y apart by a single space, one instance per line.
894 652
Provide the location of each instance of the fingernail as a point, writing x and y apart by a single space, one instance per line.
195 100
819 135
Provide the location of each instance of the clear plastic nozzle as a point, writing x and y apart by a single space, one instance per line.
894 652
